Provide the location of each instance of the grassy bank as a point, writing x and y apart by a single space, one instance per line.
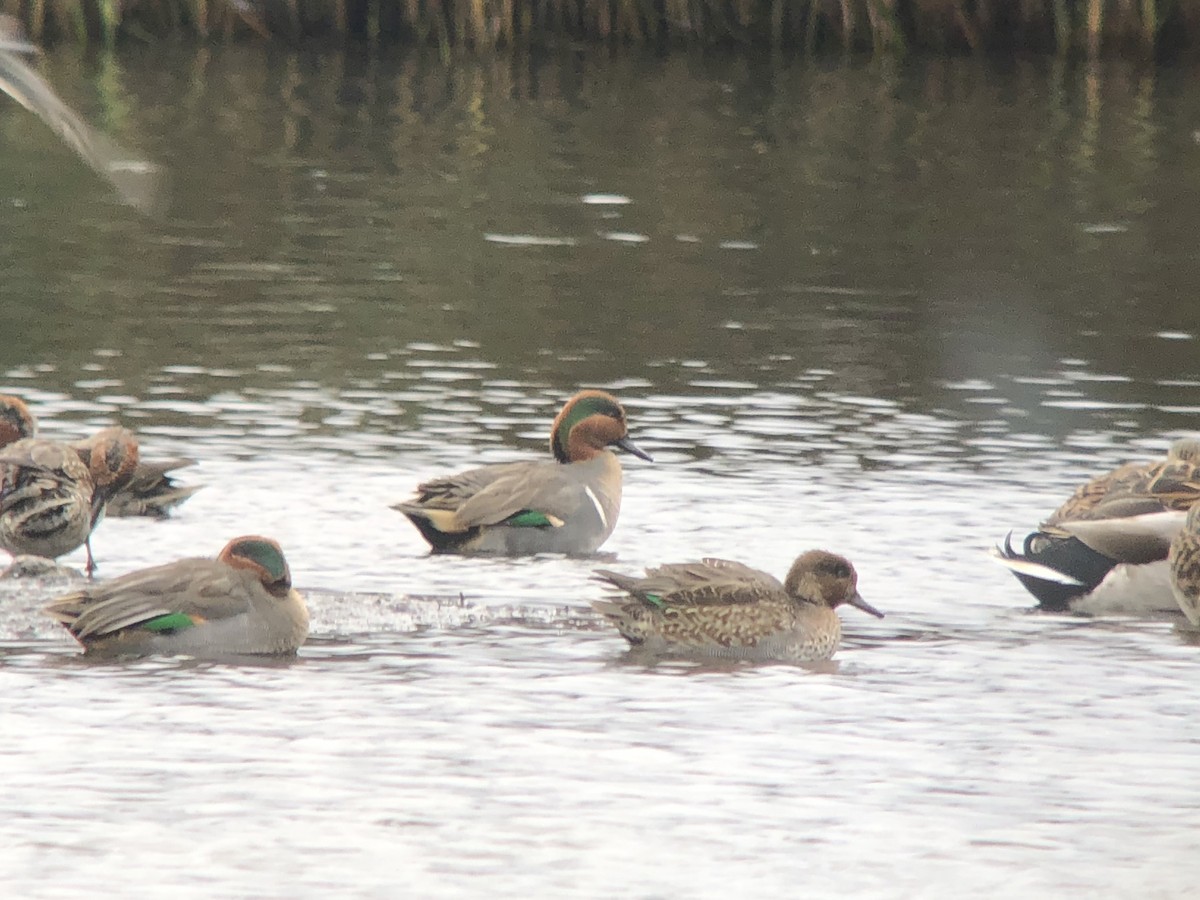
1085 27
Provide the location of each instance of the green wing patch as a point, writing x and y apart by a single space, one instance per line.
169 622
532 518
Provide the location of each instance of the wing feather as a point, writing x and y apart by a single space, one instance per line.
199 588
491 494
704 583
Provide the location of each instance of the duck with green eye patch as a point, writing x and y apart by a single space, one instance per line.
568 505
242 602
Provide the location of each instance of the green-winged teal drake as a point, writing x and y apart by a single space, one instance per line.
242 602
569 505
52 495
719 608
1104 550
152 491
1184 562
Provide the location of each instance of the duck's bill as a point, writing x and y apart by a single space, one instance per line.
630 447
858 602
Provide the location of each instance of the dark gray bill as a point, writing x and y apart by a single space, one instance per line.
858 602
630 447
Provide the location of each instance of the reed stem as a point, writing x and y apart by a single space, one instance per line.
886 27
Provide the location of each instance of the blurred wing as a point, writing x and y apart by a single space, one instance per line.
136 180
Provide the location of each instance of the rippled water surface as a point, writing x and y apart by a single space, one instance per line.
891 311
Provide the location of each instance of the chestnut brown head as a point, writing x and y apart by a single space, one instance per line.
111 455
819 576
590 422
16 421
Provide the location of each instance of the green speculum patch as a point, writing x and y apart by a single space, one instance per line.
529 518
169 622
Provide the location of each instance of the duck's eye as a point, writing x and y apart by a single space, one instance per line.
841 570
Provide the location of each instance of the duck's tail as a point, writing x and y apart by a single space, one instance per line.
1054 569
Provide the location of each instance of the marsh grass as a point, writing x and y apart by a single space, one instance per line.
1068 27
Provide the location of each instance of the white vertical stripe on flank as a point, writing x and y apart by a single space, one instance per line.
596 503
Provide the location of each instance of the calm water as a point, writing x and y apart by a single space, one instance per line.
894 312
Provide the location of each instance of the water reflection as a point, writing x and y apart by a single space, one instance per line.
889 310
